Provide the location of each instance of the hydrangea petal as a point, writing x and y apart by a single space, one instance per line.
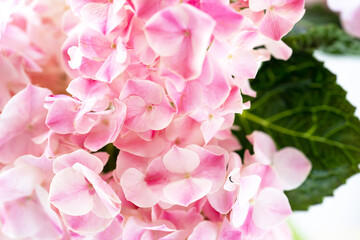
271 208
180 160
292 167
70 193
186 191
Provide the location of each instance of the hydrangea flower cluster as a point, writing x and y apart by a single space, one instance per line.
161 81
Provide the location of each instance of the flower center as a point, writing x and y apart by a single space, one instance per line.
187 33
149 108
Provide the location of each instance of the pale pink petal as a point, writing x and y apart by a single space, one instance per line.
150 92
136 108
94 45
271 208
114 231
189 99
61 115
70 193
186 191
146 8
137 229
279 50
243 64
111 68
292 167
210 127
164 27
227 19
158 176
180 160
218 90
239 213
248 228
22 120
264 146
228 232
222 200
293 10
88 223
77 5
268 176
249 186
212 167
106 195
85 88
134 144
136 190
107 128
280 232
53 228
23 218
183 219
75 56
184 131
79 156
275 26
96 14
18 182
205 230
256 5
159 117
183 25
127 160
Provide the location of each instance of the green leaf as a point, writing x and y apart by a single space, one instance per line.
299 104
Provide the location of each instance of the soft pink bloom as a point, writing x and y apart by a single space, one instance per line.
291 166
162 82
98 56
180 35
90 116
22 124
93 204
147 106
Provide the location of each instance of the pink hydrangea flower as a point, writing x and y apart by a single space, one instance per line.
161 81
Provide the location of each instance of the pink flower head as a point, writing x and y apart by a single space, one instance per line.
90 115
258 209
92 204
98 56
180 35
147 106
289 164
